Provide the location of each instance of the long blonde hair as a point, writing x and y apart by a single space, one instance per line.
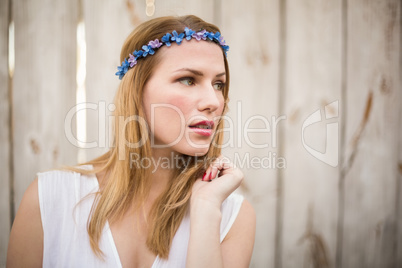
124 183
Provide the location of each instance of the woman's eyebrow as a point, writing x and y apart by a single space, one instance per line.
198 73
191 71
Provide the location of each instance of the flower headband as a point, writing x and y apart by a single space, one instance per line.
166 40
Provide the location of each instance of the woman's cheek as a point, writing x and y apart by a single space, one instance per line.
167 123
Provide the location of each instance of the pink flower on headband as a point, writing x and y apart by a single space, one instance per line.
155 43
200 35
132 60
221 41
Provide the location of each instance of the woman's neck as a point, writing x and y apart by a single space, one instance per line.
163 169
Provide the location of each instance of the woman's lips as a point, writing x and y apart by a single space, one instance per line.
202 131
204 128
204 124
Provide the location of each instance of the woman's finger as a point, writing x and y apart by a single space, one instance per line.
207 174
221 164
214 172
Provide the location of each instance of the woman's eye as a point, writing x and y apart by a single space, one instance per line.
219 86
187 81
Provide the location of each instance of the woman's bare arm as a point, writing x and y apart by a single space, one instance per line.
25 248
237 247
205 249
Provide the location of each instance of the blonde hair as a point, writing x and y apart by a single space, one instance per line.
123 183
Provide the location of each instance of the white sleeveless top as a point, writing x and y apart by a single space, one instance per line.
66 241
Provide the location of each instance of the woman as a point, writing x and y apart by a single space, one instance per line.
162 196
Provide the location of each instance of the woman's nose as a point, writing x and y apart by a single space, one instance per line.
210 99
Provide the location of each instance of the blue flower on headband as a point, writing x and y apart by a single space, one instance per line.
138 53
123 69
210 35
217 37
189 33
214 36
225 49
177 37
166 39
147 50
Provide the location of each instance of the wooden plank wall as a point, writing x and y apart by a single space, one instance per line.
372 101
5 127
331 196
44 87
398 186
100 83
312 80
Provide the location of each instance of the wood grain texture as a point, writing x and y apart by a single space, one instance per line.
251 28
107 24
398 206
5 140
312 85
44 87
203 9
371 155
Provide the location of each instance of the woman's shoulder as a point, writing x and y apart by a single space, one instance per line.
26 237
66 177
67 186
63 173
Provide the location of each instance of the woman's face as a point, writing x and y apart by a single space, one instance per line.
183 99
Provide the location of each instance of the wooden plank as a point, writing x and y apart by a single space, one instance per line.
5 127
203 9
102 58
251 30
398 207
372 100
311 92
44 87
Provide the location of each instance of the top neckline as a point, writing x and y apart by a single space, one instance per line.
109 231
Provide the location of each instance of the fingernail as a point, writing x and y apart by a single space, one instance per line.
203 176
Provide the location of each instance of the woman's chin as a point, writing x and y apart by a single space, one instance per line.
196 151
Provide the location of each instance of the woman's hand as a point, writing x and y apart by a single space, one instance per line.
216 189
